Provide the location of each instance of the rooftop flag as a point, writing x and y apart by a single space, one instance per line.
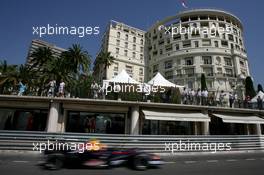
183 2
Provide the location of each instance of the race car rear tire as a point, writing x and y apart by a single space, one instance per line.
140 163
54 162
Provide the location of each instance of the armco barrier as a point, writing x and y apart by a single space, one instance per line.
23 140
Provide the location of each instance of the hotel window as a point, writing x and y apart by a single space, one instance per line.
186 36
140 71
219 70
189 72
177 37
126 37
168 40
222 25
141 80
141 49
134 47
141 41
189 61
195 33
118 35
223 36
236 40
126 44
229 72
186 44
161 51
134 39
216 43
206 42
218 60
168 47
118 42
204 24
208 71
117 50
230 37
169 74
242 64
224 43
141 56
134 55
196 43
161 41
177 47
240 42
155 68
116 67
178 62
228 61
207 59
168 64
129 70
125 52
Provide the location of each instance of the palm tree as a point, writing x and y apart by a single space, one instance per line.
104 58
78 59
40 57
8 76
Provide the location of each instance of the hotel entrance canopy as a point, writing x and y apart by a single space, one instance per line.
175 116
240 119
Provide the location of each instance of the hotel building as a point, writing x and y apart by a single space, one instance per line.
35 44
183 58
126 45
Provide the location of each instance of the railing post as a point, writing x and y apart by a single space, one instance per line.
134 129
258 129
205 125
53 117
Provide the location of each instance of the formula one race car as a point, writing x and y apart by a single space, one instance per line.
99 156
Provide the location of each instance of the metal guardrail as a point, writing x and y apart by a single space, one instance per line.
23 140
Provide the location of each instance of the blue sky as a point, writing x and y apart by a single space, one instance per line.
18 17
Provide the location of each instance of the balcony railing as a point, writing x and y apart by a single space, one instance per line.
210 75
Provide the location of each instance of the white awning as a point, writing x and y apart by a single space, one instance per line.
240 119
159 80
175 116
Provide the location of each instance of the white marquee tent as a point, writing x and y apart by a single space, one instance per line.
159 80
261 94
122 77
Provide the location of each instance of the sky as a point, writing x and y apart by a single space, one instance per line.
17 19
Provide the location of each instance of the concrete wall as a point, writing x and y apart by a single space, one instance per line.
58 108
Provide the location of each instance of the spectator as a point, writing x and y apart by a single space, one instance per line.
204 97
198 96
231 99
236 100
246 102
221 98
61 89
192 95
260 103
184 96
52 86
22 88
95 89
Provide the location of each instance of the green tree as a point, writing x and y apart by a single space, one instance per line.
104 58
203 82
260 88
40 57
77 59
176 96
250 91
